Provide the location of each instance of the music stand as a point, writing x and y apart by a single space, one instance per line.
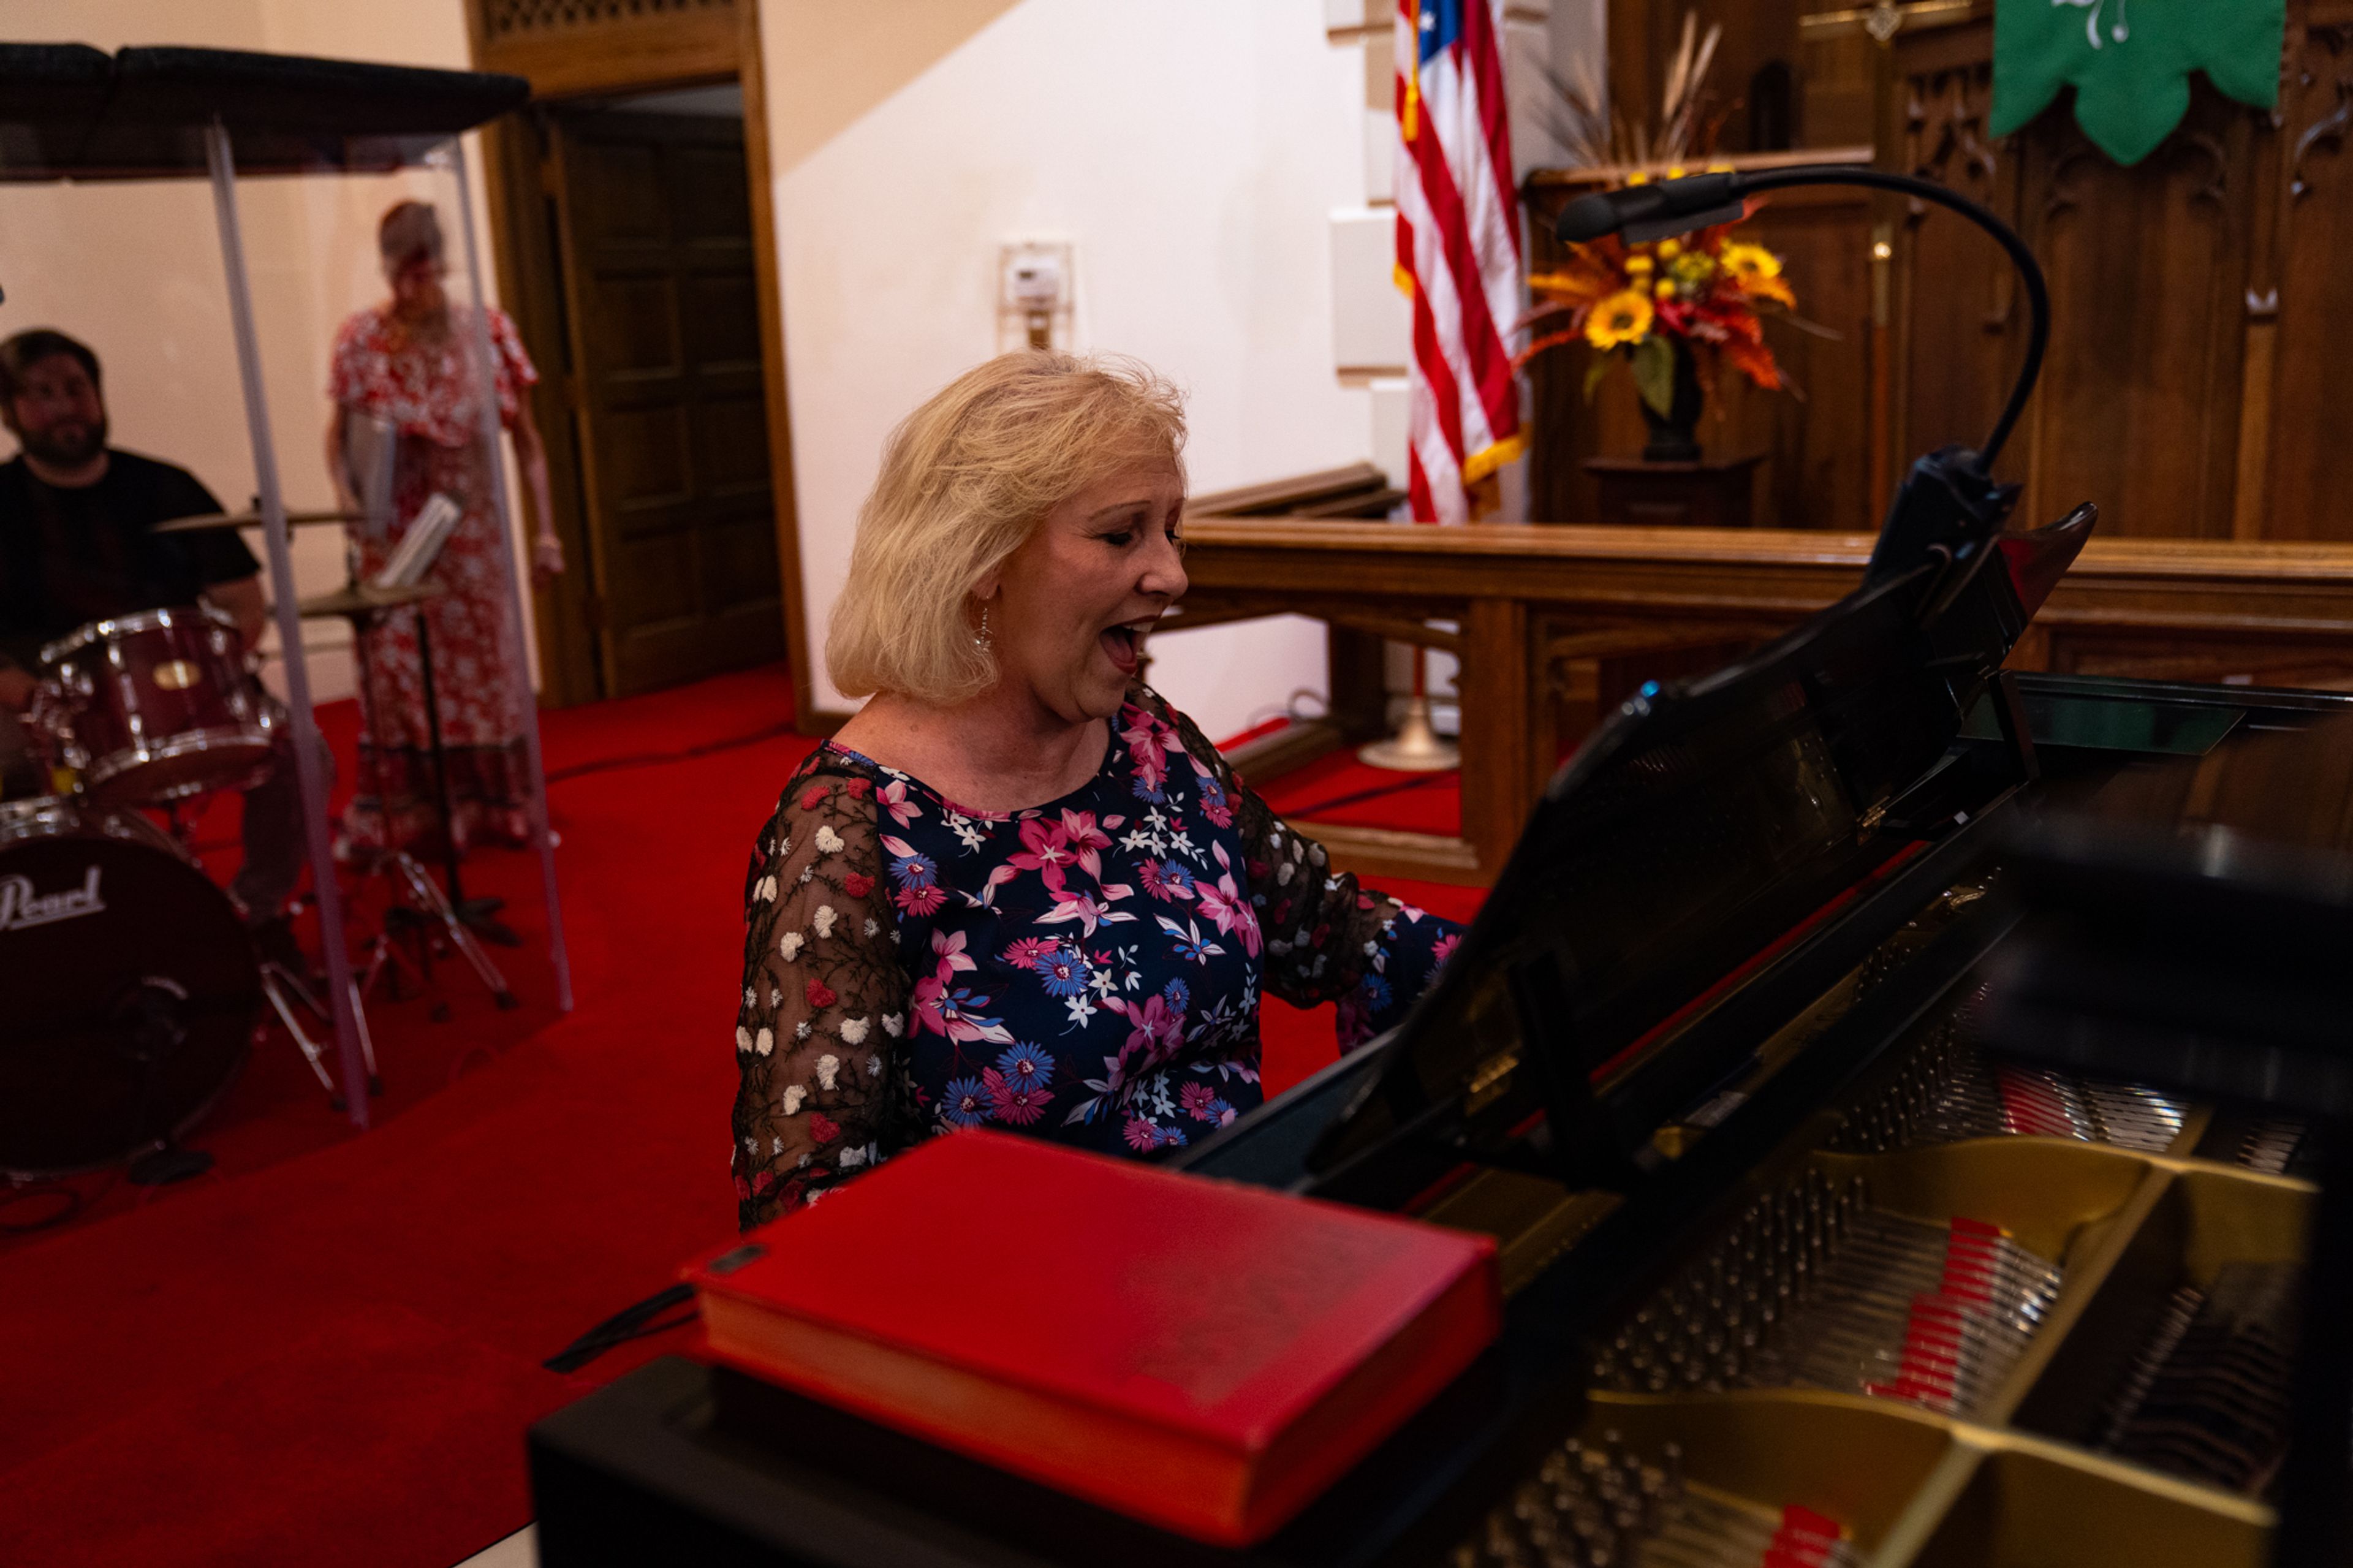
365 605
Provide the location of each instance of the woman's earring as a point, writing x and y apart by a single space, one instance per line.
984 641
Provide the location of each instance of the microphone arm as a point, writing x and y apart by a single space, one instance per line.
1663 207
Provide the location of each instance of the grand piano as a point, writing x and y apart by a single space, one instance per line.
1791 1230
1904 1093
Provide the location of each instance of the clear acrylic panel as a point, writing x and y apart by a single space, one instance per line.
153 760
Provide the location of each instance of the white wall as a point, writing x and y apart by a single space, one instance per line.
1190 152
134 269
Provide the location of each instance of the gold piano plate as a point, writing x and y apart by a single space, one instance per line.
2028 1504
2015 1483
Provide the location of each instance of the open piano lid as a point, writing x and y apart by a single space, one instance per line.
1695 831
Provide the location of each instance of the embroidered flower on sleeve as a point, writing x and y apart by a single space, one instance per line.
829 842
767 1043
823 919
742 1038
853 1031
789 946
793 1095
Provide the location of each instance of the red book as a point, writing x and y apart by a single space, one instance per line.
1196 1353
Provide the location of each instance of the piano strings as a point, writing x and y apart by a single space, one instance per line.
1815 1287
1946 1090
1602 1505
2206 1398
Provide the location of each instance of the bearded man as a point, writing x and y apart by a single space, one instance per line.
78 543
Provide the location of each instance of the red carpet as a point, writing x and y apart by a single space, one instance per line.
328 1352
1338 788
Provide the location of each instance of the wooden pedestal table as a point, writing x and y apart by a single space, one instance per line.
1709 493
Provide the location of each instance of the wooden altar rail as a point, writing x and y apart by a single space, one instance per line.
1547 618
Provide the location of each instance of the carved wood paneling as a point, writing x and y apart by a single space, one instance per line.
2199 301
505 19
2310 472
1957 300
2138 404
567 48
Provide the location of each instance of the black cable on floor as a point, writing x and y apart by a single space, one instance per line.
633 1322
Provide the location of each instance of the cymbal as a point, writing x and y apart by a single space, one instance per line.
253 520
361 600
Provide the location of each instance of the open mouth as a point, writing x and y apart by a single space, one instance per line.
1125 646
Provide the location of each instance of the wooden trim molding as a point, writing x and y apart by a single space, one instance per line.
621 53
624 52
752 73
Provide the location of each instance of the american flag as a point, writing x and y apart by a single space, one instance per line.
1458 250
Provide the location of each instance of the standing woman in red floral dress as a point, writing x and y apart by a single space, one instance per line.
410 364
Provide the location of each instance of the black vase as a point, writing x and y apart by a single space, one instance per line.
1674 435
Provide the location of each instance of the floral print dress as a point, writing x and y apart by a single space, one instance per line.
1087 970
431 393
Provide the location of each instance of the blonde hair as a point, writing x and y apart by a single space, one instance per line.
965 479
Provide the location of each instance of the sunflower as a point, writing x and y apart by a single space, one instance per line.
1623 318
1757 271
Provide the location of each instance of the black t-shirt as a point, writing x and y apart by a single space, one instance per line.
69 557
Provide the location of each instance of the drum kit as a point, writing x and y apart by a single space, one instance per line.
132 988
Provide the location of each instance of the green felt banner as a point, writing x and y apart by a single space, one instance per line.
2130 61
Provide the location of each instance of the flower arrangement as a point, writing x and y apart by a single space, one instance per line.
1701 295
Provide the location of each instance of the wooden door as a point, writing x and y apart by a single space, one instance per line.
662 304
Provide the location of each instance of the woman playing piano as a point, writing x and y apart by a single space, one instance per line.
1019 890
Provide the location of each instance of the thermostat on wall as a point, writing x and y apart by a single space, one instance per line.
1034 288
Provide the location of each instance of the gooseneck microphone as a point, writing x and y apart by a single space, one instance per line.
1948 505
1661 207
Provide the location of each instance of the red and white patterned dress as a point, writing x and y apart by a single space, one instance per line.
428 392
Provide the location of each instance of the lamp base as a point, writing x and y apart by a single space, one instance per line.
1416 748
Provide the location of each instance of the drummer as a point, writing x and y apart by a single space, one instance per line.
77 544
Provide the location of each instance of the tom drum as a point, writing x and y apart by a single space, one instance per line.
154 707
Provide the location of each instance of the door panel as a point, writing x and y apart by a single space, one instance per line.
658 248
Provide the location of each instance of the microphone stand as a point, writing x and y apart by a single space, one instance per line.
1948 504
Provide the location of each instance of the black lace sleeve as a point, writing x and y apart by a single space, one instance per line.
1327 939
818 1034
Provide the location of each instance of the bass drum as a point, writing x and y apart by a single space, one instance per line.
132 989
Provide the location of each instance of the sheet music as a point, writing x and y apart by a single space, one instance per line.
427 532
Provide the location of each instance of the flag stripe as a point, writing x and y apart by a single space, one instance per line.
1458 251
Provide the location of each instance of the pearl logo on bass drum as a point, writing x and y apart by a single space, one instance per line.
22 909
